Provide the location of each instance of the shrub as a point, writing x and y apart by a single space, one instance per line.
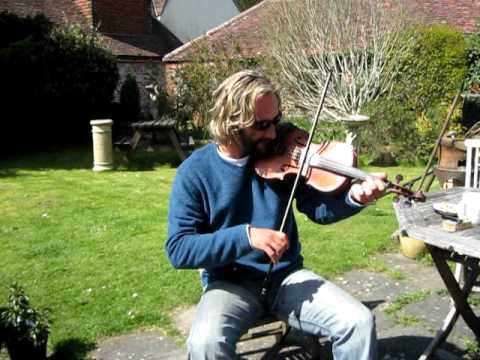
130 99
406 125
54 79
13 28
399 134
473 76
387 138
433 68
164 107
196 81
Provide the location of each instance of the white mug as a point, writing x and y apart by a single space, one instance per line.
469 207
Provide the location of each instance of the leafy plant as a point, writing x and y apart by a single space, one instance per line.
472 347
23 328
195 82
473 76
433 68
387 138
406 124
130 99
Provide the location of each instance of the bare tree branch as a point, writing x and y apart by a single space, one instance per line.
358 40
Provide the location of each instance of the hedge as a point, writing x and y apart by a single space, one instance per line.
54 80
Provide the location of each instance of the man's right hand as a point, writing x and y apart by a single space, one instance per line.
273 243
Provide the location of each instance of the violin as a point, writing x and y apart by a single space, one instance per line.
330 166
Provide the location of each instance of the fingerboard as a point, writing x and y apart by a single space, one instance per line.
320 162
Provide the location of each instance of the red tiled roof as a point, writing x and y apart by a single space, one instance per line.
461 14
244 29
59 11
135 45
156 43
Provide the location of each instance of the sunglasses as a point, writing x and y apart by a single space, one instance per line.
262 125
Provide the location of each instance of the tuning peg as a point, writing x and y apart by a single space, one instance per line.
398 178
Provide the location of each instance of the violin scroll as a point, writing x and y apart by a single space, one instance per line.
404 191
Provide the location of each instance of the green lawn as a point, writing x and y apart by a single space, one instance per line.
91 245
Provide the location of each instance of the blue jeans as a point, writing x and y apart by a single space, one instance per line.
303 299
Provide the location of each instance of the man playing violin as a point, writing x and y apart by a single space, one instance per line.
223 219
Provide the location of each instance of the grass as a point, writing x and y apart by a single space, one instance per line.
472 348
395 309
90 246
405 299
396 274
351 243
407 320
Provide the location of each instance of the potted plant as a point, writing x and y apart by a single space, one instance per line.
23 329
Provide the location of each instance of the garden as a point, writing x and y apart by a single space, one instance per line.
90 246
86 250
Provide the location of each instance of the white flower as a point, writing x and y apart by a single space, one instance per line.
134 295
45 215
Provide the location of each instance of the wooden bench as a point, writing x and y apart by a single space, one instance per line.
271 326
127 143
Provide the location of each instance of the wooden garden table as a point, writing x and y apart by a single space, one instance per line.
419 221
159 127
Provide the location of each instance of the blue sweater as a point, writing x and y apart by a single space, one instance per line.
213 201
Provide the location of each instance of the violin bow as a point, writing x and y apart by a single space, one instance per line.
266 281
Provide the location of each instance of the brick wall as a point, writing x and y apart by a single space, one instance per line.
462 14
142 72
169 74
121 17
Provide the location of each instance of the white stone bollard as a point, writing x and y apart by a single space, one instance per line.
102 144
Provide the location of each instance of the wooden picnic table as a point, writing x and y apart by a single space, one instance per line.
162 128
420 221
156 128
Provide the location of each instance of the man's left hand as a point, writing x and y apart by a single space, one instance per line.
370 189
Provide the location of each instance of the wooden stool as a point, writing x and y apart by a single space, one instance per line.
267 326
271 326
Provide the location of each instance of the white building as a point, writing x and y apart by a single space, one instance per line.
188 19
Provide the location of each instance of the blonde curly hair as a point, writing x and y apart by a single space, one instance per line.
235 99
